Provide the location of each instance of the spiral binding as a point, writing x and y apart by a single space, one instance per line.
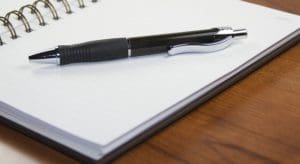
34 10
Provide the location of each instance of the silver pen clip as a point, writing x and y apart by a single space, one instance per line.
210 47
201 48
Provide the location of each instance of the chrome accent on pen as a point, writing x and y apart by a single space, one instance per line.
129 52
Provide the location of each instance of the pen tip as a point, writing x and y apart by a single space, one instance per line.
50 56
44 55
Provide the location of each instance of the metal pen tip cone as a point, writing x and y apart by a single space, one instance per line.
44 55
50 56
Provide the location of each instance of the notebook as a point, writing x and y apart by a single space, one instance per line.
93 112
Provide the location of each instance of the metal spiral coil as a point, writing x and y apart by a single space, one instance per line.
33 8
11 29
35 11
21 17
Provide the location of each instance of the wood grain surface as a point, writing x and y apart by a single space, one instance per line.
255 121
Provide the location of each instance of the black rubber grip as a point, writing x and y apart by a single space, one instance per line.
94 51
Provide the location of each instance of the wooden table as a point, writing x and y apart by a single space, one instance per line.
255 121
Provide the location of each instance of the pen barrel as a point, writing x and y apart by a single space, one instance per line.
101 50
161 43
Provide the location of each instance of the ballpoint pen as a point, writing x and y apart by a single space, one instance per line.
202 41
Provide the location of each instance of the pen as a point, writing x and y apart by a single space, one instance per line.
203 41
